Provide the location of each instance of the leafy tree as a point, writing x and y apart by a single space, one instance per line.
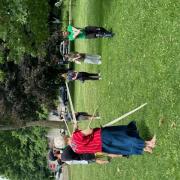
29 85
26 87
23 154
24 26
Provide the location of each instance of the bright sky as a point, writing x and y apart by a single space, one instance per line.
2 178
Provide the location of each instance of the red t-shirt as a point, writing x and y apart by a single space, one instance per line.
87 144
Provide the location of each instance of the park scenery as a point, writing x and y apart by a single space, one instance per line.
89 89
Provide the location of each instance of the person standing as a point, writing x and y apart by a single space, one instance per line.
88 32
121 140
69 157
78 58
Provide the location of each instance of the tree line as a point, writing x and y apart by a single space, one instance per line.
30 77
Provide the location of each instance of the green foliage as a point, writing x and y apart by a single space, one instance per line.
23 154
43 114
29 89
24 25
1 57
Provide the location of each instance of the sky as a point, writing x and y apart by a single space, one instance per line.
2 178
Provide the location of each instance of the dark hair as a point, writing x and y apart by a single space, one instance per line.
51 156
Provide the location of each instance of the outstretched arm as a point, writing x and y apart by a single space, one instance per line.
76 32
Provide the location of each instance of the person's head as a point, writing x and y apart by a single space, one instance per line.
59 142
51 156
65 34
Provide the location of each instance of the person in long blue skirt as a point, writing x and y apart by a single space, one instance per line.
115 140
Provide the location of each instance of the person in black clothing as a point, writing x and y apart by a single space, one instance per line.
70 157
96 32
81 76
88 32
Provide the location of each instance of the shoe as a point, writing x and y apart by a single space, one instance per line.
109 35
100 78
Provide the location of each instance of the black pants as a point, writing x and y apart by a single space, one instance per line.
95 32
82 76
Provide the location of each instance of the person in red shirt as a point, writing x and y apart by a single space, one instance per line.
121 140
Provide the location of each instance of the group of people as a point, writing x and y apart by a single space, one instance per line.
88 32
98 144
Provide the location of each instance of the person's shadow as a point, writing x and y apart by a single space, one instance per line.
144 130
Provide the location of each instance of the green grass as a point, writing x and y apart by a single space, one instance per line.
140 64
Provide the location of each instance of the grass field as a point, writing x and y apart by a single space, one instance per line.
140 64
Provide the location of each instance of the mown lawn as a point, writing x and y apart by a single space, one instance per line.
140 64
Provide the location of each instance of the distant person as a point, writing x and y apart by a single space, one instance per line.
79 58
88 32
79 116
81 76
121 140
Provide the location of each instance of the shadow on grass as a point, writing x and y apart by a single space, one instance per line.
144 130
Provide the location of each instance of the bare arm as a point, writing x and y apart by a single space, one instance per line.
87 132
75 29
75 126
76 33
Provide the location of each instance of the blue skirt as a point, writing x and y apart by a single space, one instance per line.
122 140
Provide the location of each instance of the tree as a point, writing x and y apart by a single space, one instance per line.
23 154
24 26
44 124
28 87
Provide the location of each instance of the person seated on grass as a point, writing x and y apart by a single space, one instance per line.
121 140
69 157
87 32
72 75
78 58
